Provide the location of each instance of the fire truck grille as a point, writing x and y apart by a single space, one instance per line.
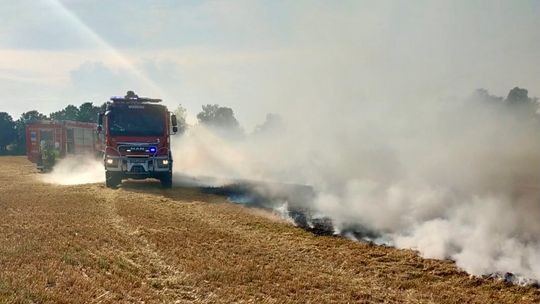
137 169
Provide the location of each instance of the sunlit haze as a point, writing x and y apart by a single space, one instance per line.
254 56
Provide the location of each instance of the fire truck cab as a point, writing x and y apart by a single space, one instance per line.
136 132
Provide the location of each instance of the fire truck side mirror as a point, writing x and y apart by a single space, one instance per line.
174 123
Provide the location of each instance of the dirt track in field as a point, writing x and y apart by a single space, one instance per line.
139 243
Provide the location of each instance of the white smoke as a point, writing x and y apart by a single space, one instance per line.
456 179
76 170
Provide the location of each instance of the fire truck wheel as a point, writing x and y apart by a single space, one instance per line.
112 180
166 180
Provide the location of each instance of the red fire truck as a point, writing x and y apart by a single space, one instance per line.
137 139
63 138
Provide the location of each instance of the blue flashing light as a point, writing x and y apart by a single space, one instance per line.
152 150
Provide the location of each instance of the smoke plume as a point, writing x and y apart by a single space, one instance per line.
453 178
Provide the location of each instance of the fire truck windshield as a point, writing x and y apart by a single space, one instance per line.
136 122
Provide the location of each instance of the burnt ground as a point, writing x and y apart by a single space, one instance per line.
140 243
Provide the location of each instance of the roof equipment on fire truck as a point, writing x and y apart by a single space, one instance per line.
131 97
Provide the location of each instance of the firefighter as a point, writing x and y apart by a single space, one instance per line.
48 155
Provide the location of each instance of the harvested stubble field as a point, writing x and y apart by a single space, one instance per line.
142 244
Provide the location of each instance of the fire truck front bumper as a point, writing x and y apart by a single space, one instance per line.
138 165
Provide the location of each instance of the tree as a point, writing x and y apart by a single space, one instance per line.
32 115
221 120
519 99
181 114
88 112
70 112
518 96
218 117
20 129
7 131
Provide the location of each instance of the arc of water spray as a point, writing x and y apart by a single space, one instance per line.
114 53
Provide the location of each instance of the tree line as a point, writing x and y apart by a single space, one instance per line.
214 116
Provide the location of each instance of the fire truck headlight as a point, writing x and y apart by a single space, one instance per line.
110 161
163 163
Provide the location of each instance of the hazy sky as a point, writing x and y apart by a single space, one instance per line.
256 56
